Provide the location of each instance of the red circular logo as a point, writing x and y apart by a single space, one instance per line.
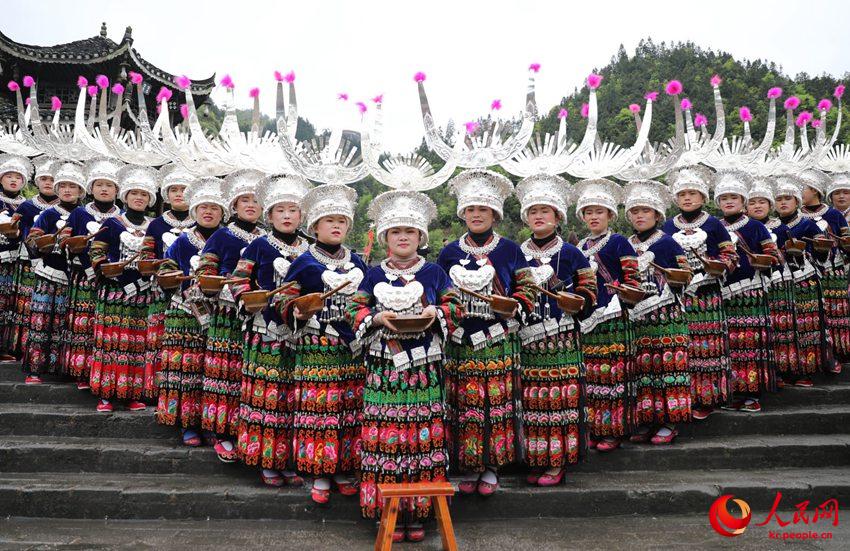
723 522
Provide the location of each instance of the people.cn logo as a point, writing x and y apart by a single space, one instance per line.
725 523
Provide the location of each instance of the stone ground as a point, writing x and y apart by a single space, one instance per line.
634 533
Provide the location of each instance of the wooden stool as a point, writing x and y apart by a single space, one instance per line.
394 492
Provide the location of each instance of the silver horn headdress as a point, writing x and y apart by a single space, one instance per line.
740 152
699 147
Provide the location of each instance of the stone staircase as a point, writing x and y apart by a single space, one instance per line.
59 458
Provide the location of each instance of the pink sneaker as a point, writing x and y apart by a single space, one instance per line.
33 380
105 407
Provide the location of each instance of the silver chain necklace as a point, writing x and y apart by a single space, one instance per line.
797 219
14 202
643 246
817 214
330 261
591 252
172 220
479 251
244 235
737 225
141 228
287 250
679 222
530 249
101 216
398 272
196 239
41 204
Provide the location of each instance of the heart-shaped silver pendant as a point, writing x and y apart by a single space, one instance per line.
545 260
463 261
528 258
408 277
481 261
60 224
391 277
348 265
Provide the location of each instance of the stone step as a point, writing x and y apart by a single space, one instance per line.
70 420
140 456
773 419
66 495
46 393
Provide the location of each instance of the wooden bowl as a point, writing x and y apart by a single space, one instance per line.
112 269
629 294
309 304
570 303
677 277
844 243
412 323
255 301
504 306
761 261
822 244
211 284
148 267
45 243
795 247
76 244
171 280
714 267
9 229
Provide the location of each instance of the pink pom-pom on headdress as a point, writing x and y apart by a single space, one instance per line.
817 123
716 80
563 114
29 81
102 81
686 104
651 96
82 81
803 118
495 105
471 127
28 100
164 94
135 77
361 107
342 96
534 67
278 76
700 120
378 99
824 105
744 113
839 91
92 91
419 77
227 82
254 92
118 89
593 81
183 81
634 108
673 87
792 102
55 103
289 77
13 86
774 92
184 110
585 110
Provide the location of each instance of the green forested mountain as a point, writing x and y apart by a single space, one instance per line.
627 78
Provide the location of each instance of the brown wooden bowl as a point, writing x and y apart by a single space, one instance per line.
211 284
714 268
844 243
677 277
9 229
761 261
45 243
255 301
504 306
171 280
309 304
76 244
112 269
822 244
412 323
570 303
629 294
149 267
795 247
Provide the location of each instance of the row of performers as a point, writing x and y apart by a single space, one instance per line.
496 353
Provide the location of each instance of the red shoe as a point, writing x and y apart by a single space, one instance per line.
753 407
398 534
659 440
467 487
414 533
33 380
136 405
225 455
323 496
346 488
486 489
702 413
805 383
640 437
276 481
551 480
105 407
293 480
83 385
608 445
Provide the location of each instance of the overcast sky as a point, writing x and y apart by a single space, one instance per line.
472 51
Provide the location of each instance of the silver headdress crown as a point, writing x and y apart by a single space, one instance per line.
656 158
689 177
816 180
206 190
173 175
789 184
328 200
840 180
543 189
67 171
140 178
731 181
282 188
481 187
763 188
16 163
740 152
647 193
44 166
699 147
242 182
597 192
489 149
102 168
402 208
